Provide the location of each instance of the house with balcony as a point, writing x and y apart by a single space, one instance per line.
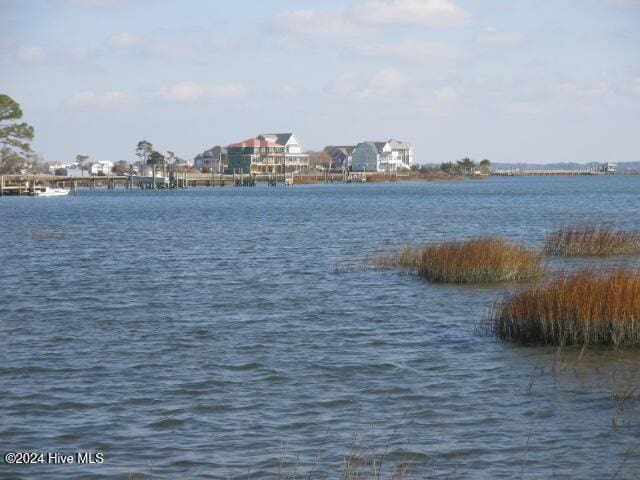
389 156
103 167
294 159
213 159
340 154
257 156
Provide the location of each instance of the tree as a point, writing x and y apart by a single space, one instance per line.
156 158
449 168
11 162
485 165
171 157
121 167
467 165
81 159
14 137
320 159
144 150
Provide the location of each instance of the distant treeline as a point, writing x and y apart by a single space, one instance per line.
622 166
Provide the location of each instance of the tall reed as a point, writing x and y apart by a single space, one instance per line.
479 260
592 241
584 308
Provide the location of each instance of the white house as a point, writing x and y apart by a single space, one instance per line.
103 167
56 166
77 171
390 156
294 159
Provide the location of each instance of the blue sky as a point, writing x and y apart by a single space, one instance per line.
509 80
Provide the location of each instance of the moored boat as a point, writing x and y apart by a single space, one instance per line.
52 192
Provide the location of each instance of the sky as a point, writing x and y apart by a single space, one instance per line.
532 81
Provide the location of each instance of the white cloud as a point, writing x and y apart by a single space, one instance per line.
125 39
317 22
415 50
381 83
344 84
294 44
192 91
365 18
528 108
571 91
102 3
288 91
226 43
75 54
447 95
31 53
388 79
166 49
622 3
171 50
493 37
111 98
424 13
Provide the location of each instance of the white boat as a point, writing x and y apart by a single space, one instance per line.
52 192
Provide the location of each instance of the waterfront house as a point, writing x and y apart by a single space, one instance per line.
340 154
77 171
103 167
214 159
389 156
294 159
256 156
57 167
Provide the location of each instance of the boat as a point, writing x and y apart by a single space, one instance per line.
52 192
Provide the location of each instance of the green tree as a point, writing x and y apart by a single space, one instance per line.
155 158
485 165
144 150
449 168
14 137
121 167
81 159
467 165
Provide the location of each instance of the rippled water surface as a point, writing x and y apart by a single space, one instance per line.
228 332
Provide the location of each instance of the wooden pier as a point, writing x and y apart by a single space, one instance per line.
544 172
28 185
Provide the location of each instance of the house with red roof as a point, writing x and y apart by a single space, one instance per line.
256 155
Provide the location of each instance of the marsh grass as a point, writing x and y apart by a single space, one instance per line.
584 308
592 241
479 260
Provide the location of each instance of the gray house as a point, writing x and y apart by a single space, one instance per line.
215 158
340 154
389 156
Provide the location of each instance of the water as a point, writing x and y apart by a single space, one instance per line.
212 333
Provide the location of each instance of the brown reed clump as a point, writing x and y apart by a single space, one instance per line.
479 260
592 241
586 308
